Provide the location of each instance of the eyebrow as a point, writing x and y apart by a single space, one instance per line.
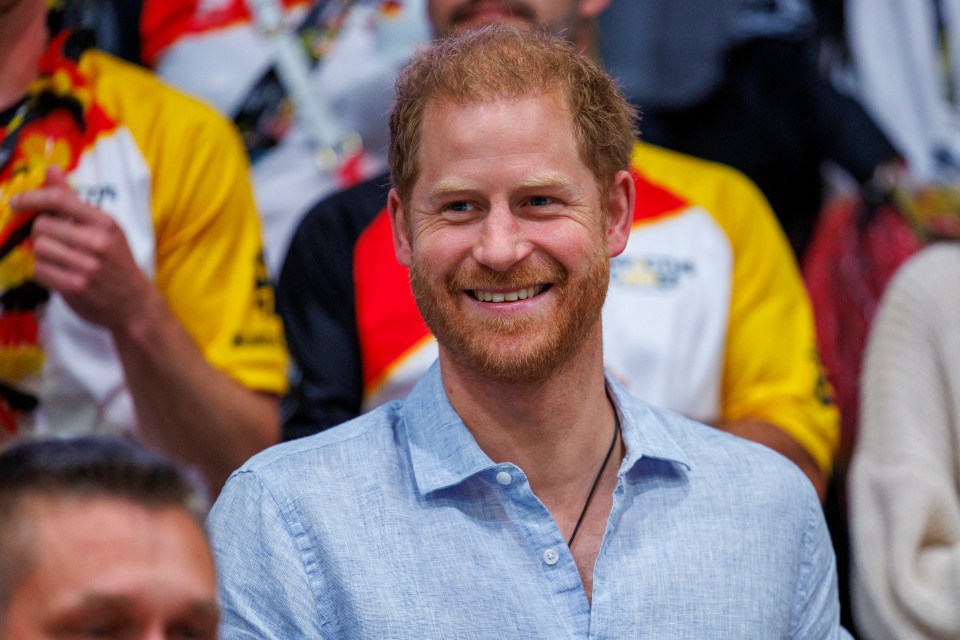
544 181
448 186
541 181
108 600
107 603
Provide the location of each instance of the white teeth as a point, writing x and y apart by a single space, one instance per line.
512 296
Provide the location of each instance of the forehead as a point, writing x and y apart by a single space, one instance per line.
499 127
497 144
89 548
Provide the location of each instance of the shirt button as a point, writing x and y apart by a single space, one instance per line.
550 556
504 478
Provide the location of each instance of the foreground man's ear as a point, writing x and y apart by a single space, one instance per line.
620 202
401 231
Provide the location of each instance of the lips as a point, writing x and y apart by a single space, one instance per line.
507 296
527 280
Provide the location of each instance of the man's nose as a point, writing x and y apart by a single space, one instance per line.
502 242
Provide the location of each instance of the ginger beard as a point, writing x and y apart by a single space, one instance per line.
522 348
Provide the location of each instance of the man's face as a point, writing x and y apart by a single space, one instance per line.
107 568
15 14
7 6
508 246
23 37
455 16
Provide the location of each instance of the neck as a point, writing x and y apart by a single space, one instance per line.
554 429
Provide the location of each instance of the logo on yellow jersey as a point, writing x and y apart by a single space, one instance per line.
663 273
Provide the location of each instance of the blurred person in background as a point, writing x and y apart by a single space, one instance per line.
905 470
737 82
307 82
133 294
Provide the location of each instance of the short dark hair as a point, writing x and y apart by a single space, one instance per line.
83 467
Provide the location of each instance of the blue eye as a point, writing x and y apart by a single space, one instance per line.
539 201
460 205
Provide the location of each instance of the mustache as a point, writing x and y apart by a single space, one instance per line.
516 8
522 275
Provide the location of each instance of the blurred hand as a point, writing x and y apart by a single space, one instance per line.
81 253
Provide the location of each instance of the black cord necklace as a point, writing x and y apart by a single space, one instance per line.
596 481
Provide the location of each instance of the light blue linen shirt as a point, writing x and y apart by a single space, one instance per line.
397 525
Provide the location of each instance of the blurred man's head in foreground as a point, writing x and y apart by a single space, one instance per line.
100 538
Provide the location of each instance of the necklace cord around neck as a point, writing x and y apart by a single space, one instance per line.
596 481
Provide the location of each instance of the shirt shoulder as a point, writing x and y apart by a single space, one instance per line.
698 181
728 196
356 446
142 102
721 467
936 266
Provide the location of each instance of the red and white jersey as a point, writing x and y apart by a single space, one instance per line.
173 175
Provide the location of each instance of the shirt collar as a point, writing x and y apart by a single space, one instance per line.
646 431
444 453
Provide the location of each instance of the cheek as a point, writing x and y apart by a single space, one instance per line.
579 248
441 249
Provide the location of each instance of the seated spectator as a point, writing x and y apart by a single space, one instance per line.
905 63
229 55
518 491
737 82
706 313
100 539
905 509
134 296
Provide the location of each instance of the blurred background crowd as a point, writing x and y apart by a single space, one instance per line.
843 113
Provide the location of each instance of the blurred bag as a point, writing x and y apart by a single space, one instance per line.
857 246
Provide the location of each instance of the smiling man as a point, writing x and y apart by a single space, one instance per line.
510 268
706 313
518 491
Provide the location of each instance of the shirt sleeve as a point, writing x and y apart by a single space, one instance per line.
265 590
772 369
905 514
210 261
816 611
209 258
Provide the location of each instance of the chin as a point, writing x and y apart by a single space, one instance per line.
483 21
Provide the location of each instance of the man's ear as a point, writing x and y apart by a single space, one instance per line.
620 203
591 8
400 229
